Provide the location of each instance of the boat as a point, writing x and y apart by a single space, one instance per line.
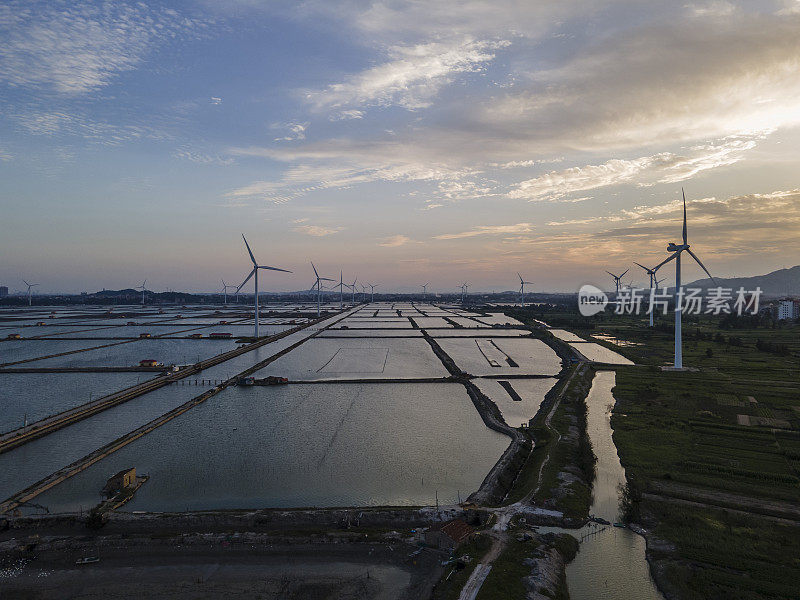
87 560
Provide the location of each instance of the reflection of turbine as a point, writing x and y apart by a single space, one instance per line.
522 283
318 285
676 250
254 272
30 287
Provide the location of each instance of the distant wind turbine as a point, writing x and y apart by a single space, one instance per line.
352 286
254 272
617 279
676 250
318 285
522 283
653 285
30 293
141 287
225 288
373 291
424 287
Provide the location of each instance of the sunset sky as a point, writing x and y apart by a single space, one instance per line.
402 142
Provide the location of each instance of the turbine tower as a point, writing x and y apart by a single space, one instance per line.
30 287
617 279
522 283
424 287
676 250
318 285
254 272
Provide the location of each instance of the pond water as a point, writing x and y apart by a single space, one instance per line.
305 445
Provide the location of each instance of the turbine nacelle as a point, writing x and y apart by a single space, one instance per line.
673 247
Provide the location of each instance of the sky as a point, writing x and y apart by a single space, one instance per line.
401 142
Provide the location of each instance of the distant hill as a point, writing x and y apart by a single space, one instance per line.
778 283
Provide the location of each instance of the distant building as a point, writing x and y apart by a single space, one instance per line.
787 310
448 536
124 479
3 291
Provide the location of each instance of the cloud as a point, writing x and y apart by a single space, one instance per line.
411 78
340 169
201 158
347 115
316 230
395 241
297 131
60 123
664 167
216 101
77 48
518 228
5 156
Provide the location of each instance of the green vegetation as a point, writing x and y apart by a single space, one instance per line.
456 575
566 478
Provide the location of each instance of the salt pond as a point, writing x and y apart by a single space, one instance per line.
305 445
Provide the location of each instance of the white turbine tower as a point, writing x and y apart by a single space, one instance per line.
676 250
30 293
318 286
141 287
617 279
424 287
373 290
256 267
522 283
464 291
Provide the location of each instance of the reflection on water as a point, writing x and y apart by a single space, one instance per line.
305 445
611 563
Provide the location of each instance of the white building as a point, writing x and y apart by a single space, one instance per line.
788 309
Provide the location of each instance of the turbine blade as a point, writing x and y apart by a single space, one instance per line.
322 278
641 265
684 217
662 263
697 260
315 268
610 273
246 279
623 275
273 268
250 252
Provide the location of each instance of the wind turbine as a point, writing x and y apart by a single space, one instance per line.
653 284
464 291
617 278
352 286
373 290
318 285
256 267
424 287
341 291
676 250
141 287
30 287
224 290
522 283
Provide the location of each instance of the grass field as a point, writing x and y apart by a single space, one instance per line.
729 431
